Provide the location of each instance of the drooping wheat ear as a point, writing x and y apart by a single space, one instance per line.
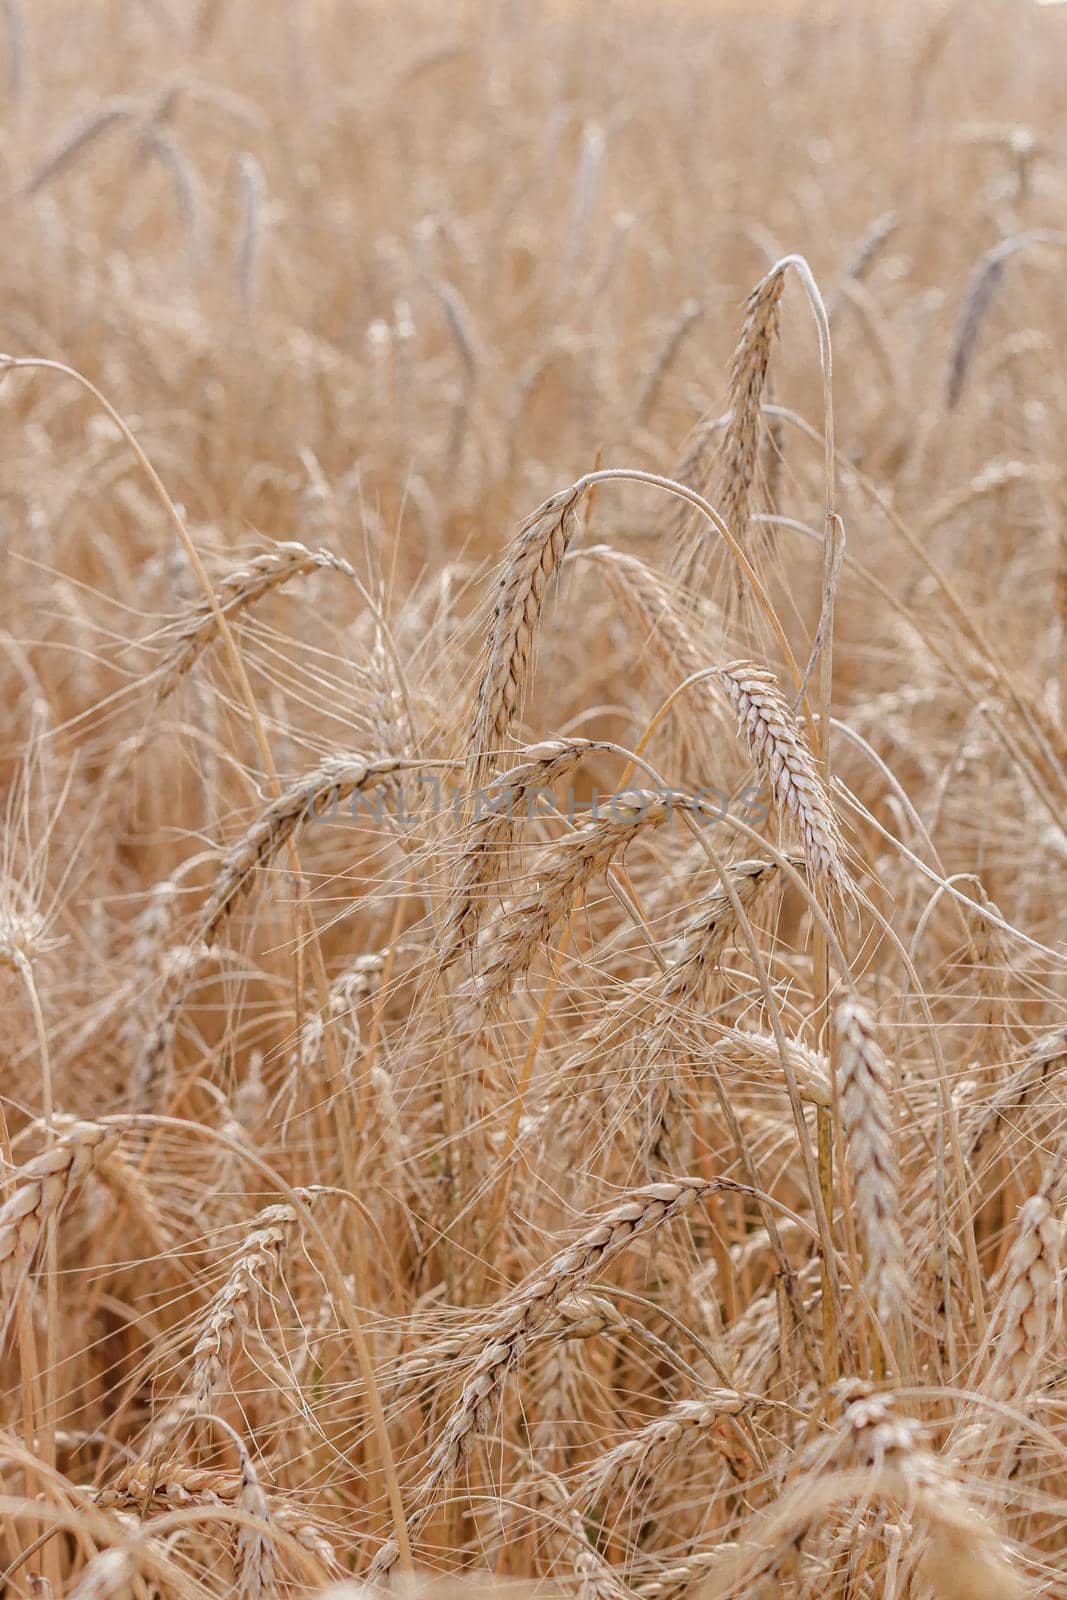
993 478
1031 1299
234 1308
785 763
253 186
660 1442
498 815
709 930
867 1113
691 468
738 453
579 1316
561 872
597 1580
170 1482
85 133
129 1186
41 1188
742 1049
871 1432
963 1556
986 1125
674 1581
238 591
318 792
531 564
389 718
660 623
748 374
151 1071
255 1562
147 952
522 1313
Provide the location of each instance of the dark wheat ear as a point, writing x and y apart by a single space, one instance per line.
531 564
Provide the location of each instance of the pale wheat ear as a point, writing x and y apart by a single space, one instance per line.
730 476
41 1189
788 767
499 815
529 568
239 590
865 1085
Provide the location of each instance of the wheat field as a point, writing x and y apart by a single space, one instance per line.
533 865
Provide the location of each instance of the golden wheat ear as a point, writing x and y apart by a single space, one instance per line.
530 565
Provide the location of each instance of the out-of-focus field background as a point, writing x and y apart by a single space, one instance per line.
604 1200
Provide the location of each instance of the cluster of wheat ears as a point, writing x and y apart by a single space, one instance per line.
532 876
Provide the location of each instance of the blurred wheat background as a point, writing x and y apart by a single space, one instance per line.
420 425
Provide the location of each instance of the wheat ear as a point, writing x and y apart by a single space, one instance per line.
525 1311
1046 1058
498 815
238 591
255 1560
531 564
788 767
661 1441
41 1188
561 872
108 1576
1032 1292
325 788
867 1113
735 466
653 611
742 1048
233 1309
